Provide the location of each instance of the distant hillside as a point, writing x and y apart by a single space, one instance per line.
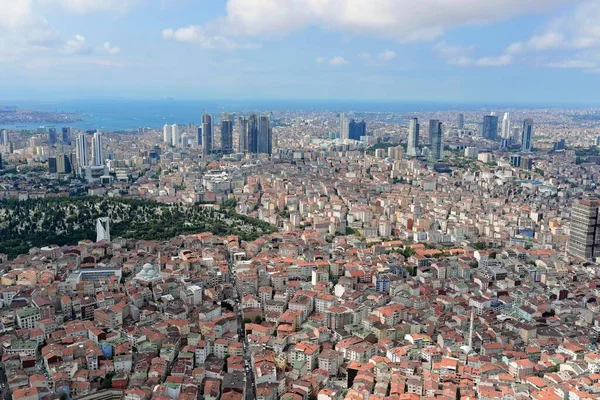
61 221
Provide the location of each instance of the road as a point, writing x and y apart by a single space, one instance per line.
250 384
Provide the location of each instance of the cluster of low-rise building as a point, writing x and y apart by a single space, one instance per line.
390 277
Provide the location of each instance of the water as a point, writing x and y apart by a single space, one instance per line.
127 114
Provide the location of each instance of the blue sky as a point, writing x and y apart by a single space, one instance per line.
439 50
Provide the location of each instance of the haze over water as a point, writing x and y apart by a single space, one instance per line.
125 114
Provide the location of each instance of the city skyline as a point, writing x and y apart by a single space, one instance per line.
390 50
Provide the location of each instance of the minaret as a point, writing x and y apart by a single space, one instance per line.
471 328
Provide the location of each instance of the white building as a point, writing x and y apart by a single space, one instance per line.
167 136
175 139
97 150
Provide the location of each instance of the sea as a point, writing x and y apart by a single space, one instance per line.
121 114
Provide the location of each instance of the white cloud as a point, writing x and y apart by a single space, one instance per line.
76 45
15 13
576 31
110 49
454 54
365 55
460 61
449 51
402 20
515 48
572 64
498 61
576 34
387 55
195 34
338 61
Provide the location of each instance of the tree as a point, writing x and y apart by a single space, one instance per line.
106 382
408 252
479 246
258 319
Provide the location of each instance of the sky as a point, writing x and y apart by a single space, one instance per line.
424 50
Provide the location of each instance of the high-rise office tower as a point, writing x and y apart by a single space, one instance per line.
412 148
527 136
516 134
4 137
207 134
1 165
81 151
357 129
253 134
506 126
63 164
344 127
265 135
199 136
243 135
167 136
97 150
52 165
435 139
66 134
52 135
361 129
352 130
461 122
226 133
433 124
175 138
584 236
490 127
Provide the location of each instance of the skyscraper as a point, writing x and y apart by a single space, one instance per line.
167 136
344 127
506 126
265 135
175 138
461 122
4 137
52 165
243 135
52 135
357 129
226 134
81 151
63 164
66 134
1 165
97 150
412 148
584 236
199 136
207 134
435 138
490 127
527 136
253 134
